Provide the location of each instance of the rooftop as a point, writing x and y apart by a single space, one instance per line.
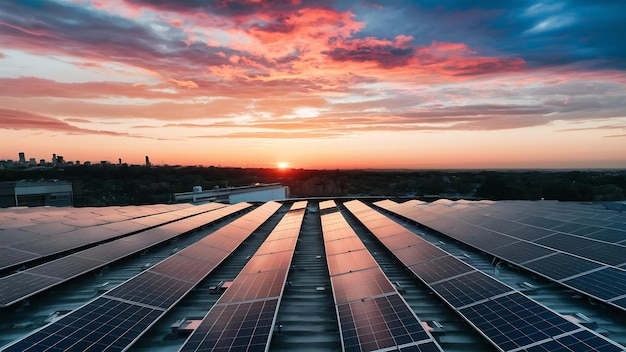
317 275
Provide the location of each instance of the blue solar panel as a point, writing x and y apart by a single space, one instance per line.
102 325
561 265
514 321
235 327
579 341
440 269
152 289
397 324
605 284
470 288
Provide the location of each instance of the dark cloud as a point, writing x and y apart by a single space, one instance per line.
541 33
48 27
385 56
229 7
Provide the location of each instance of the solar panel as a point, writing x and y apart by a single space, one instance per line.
9 257
415 254
66 268
605 284
514 321
255 286
467 289
343 245
243 317
53 239
327 204
32 281
372 315
243 326
13 287
102 325
520 252
275 261
579 341
152 289
577 273
609 235
189 269
395 325
350 261
361 284
136 304
561 265
510 320
530 233
440 269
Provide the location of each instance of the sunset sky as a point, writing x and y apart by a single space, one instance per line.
316 83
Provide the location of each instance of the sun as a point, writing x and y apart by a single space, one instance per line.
282 165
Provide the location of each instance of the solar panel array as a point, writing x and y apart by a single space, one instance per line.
115 320
24 284
372 315
244 316
26 236
551 239
509 319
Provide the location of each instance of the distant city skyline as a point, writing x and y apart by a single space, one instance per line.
316 84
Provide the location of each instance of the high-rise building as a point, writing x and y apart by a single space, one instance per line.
22 158
148 161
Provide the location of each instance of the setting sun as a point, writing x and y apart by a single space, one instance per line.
283 165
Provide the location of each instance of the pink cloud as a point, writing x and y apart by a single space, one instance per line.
23 120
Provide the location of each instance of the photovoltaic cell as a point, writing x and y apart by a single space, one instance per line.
29 282
361 284
350 261
520 252
620 302
604 284
569 244
402 239
396 324
111 251
243 317
530 233
609 235
234 327
275 261
514 321
152 289
440 269
579 341
102 325
343 245
254 286
509 319
10 257
184 268
13 287
561 265
470 288
416 254
372 315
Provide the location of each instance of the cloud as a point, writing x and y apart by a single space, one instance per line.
274 135
23 120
